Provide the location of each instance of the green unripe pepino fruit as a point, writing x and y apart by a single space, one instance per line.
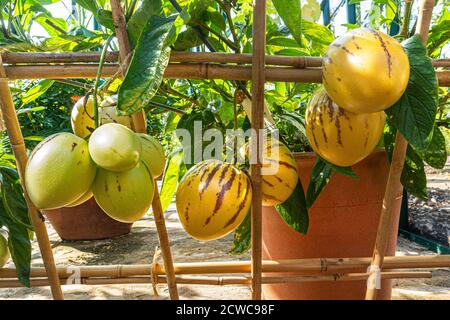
59 171
152 155
114 147
124 196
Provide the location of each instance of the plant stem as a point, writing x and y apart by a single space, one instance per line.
218 35
97 78
130 10
164 106
72 83
407 17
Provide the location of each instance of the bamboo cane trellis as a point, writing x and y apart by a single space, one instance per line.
209 66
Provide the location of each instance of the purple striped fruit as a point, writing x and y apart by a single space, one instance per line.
365 71
342 138
213 198
279 173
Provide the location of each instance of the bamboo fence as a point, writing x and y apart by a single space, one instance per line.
256 67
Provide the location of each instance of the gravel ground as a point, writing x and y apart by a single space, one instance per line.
432 218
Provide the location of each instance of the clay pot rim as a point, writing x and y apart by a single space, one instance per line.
312 155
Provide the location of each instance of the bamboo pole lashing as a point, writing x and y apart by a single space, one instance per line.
18 146
217 281
307 266
194 71
258 82
140 125
394 187
34 58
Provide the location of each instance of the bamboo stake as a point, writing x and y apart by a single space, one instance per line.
258 81
218 281
139 121
394 188
180 57
140 125
18 146
195 71
297 266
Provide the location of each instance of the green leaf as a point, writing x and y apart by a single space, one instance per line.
414 114
294 210
187 39
242 237
290 12
138 20
36 91
171 177
146 70
320 176
413 176
436 152
14 216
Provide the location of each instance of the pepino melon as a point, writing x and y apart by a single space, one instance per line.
124 196
152 154
342 138
212 199
82 117
59 171
114 147
365 71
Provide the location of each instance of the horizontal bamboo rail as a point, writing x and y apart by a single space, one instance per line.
195 71
304 266
217 281
183 57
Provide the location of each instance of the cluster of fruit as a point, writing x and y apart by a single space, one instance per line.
364 72
116 166
214 197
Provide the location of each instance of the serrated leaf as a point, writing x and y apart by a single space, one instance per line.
146 70
414 114
294 210
242 237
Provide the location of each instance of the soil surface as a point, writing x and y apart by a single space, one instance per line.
138 247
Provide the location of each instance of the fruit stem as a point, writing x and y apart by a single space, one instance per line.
97 78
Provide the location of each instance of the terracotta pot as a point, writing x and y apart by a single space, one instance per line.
85 222
343 223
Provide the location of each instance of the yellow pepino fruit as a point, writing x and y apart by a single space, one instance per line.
279 173
82 116
365 71
338 136
212 199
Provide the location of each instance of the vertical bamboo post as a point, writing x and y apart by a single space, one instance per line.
18 145
394 188
139 123
258 80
